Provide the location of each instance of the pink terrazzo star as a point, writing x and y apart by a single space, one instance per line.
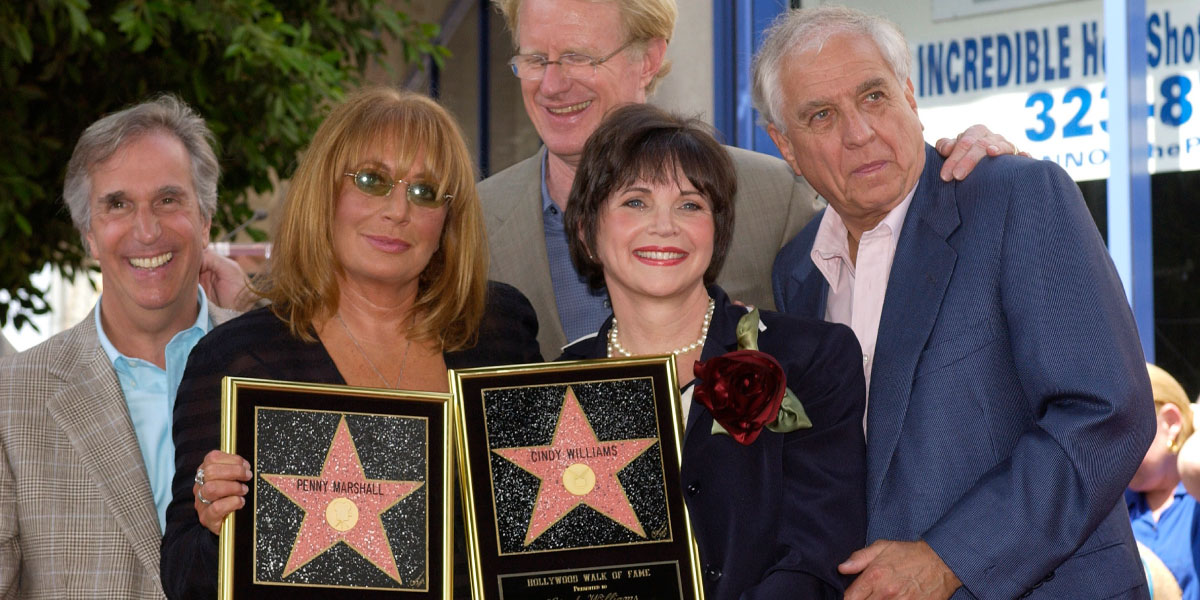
359 522
577 468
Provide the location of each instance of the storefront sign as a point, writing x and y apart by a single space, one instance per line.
1042 86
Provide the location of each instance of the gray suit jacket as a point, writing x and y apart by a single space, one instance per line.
77 519
772 205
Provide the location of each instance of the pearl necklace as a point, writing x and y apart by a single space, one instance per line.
615 347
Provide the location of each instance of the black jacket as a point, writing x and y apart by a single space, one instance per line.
774 519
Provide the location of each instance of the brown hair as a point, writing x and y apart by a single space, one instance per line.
643 21
301 278
639 142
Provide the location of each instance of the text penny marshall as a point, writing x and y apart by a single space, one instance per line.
343 487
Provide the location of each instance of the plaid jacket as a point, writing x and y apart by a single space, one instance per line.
77 519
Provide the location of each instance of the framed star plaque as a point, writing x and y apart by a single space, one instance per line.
570 479
352 494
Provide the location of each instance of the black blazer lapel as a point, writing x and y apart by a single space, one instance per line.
722 338
920 274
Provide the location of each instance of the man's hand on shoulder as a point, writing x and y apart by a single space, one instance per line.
888 569
965 151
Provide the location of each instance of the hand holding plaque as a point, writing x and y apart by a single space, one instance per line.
219 489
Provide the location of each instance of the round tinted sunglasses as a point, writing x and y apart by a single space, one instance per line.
376 182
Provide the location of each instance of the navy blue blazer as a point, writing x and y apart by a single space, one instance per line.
1009 402
774 519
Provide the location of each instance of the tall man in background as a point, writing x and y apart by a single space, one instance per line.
86 455
578 59
1008 403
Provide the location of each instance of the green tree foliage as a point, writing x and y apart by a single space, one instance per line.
258 70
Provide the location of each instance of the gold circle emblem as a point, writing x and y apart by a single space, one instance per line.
341 514
579 479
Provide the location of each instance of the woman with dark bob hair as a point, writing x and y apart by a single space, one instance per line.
773 477
378 278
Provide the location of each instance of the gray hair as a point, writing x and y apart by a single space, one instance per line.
808 29
103 138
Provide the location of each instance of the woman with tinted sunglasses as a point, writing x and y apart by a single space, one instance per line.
377 278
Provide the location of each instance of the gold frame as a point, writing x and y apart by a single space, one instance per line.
464 449
229 423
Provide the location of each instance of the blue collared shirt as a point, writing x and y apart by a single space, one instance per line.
150 395
1173 537
581 309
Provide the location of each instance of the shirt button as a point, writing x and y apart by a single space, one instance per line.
693 489
607 304
866 359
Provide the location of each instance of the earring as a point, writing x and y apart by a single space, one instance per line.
1174 446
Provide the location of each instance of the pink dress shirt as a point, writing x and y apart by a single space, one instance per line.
856 291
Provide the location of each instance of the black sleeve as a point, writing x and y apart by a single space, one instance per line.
188 566
824 470
258 345
507 335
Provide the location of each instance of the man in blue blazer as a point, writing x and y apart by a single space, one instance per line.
1007 404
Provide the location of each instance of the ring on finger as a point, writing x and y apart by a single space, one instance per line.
199 479
201 498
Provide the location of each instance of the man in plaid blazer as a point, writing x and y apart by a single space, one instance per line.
84 415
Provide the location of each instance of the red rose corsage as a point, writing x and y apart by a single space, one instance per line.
746 389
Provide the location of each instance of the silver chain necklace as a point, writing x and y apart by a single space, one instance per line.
370 362
615 347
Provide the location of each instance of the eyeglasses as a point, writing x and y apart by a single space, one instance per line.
572 66
379 183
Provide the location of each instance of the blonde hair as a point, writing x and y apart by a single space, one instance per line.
1167 390
642 20
301 279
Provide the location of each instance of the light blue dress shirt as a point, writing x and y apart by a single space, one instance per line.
150 394
581 309
1173 537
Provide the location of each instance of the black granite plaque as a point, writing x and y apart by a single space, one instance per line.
571 475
